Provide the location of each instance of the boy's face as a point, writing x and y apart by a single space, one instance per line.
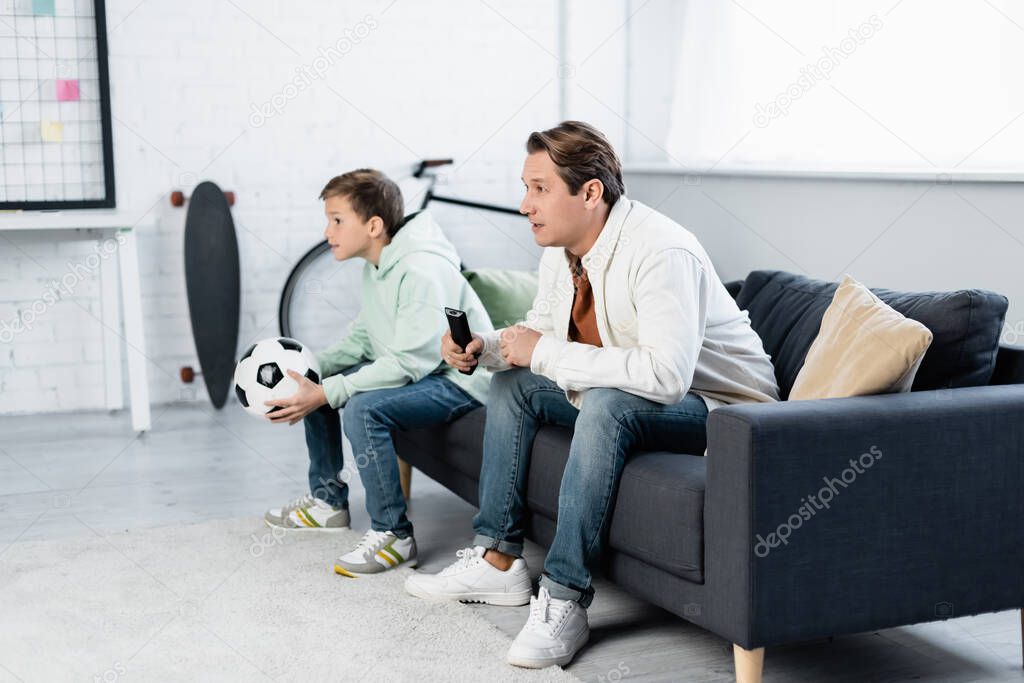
557 218
348 234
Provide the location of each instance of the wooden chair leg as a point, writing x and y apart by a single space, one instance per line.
749 664
405 477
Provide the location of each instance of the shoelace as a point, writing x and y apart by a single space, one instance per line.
369 540
302 501
467 558
545 615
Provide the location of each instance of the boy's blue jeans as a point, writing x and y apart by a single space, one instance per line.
368 419
610 425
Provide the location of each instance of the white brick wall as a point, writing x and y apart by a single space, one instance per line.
421 79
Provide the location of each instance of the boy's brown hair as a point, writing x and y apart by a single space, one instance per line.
582 153
371 193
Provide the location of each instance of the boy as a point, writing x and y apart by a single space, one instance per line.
386 374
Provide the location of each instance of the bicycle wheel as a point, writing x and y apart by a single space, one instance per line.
320 298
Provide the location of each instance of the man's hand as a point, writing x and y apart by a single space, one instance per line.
457 357
517 344
308 398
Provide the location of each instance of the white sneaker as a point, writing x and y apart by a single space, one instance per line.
378 551
553 634
471 578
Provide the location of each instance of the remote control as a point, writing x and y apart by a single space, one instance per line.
459 327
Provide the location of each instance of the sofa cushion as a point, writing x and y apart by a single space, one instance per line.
455 445
659 512
658 492
550 453
507 295
864 347
786 311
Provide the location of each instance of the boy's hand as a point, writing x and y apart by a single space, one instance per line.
455 356
308 398
517 344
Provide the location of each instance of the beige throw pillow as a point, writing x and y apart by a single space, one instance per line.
864 347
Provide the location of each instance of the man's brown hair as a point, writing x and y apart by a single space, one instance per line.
582 153
371 193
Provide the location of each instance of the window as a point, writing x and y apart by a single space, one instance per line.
903 85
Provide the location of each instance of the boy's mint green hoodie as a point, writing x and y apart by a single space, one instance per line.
402 319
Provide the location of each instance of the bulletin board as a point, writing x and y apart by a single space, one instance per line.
56 148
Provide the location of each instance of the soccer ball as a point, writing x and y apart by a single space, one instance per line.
262 372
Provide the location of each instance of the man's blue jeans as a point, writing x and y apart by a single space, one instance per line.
610 425
368 419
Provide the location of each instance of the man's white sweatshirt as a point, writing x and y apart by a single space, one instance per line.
667 323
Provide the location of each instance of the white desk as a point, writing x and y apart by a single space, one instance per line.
100 225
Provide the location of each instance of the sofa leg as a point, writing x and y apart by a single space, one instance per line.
405 477
749 664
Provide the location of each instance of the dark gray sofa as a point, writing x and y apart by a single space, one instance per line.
931 529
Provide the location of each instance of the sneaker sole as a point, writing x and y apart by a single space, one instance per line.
500 599
327 529
542 663
341 571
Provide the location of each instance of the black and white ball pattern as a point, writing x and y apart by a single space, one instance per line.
262 372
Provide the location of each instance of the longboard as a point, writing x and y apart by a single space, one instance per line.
213 283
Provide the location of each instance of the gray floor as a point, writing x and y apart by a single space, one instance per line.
62 474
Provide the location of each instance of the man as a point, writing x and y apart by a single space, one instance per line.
631 340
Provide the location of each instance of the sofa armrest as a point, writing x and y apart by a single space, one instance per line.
1009 366
846 515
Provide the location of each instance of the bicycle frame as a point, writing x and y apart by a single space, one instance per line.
429 195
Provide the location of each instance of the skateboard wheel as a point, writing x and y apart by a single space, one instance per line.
178 198
188 375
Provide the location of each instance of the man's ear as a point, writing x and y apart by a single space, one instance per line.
593 192
376 225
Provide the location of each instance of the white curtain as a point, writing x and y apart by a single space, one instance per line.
849 85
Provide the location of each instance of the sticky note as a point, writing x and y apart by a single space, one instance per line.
52 131
67 90
42 7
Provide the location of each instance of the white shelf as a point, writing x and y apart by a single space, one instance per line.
75 219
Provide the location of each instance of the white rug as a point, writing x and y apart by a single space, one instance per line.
229 600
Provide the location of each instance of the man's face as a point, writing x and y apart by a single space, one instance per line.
347 233
557 217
